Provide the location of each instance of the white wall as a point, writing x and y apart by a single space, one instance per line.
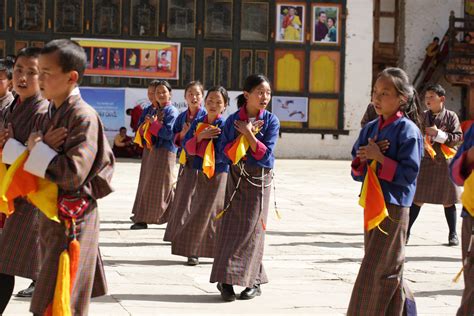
425 19
358 78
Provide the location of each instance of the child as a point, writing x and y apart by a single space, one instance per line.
148 113
193 94
6 75
19 242
461 173
195 233
75 154
442 135
158 180
241 232
380 288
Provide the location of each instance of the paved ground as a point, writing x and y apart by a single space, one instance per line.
312 254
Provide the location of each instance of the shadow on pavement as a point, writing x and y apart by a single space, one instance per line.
173 298
142 262
130 244
298 234
440 292
326 244
441 259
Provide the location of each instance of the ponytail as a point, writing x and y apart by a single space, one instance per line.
241 100
412 108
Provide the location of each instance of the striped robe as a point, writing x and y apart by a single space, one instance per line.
19 243
241 232
433 183
82 167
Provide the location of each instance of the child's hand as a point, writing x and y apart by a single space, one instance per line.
257 125
209 133
148 118
185 129
243 127
159 116
34 138
370 151
431 131
54 138
5 134
383 145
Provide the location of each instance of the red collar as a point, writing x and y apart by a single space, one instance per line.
190 117
244 116
390 120
206 119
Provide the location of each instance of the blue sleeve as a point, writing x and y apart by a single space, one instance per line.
143 115
227 136
361 141
465 146
166 131
220 157
408 159
271 136
190 133
178 126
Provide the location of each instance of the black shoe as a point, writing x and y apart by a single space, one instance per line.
193 261
139 226
28 292
453 239
251 292
227 292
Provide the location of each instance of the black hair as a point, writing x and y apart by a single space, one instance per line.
163 83
411 103
436 88
122 128
28 52
195 83
321 12
128 111
436 38
250 83
8 63
222 91
333 20
72 56
153 83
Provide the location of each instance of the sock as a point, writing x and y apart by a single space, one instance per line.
7 283
450 213
414 212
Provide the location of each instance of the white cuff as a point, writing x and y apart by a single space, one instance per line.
12 150
441 137
39 159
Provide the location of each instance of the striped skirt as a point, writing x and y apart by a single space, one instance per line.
467 302
241 232
434 185
155 187
380 288
53 241
180 206
19 242
196 236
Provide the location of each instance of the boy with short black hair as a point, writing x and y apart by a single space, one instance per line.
442 136
74 153
19 241
6 76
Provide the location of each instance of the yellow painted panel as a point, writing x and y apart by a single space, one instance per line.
323 113
324 75
291 124
288 72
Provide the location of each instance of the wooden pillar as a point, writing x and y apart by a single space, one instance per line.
470 102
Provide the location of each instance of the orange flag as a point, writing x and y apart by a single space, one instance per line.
448 152
209 160
372 199
429 149
145 127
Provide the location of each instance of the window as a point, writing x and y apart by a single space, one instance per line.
245 66
289 70
209 71
181 18
254 21
218 19
187 65
107 17
261 62
225 67
144 17
68 16
30 15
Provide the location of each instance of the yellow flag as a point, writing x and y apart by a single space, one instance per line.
182 157
467 197
208 161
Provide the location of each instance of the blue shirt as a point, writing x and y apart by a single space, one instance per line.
267 136
404 153
165 135
220 159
